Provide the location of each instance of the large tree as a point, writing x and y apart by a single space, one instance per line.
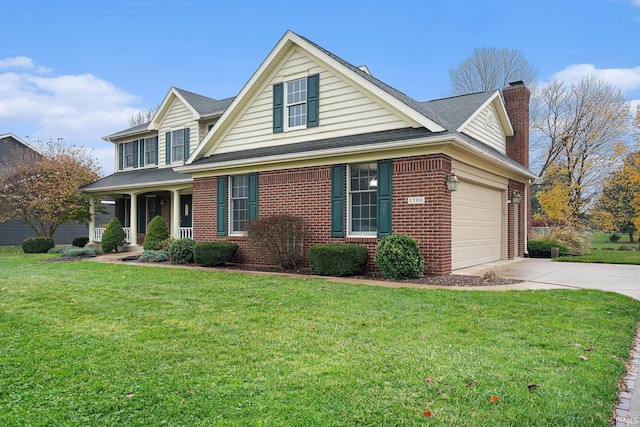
579 131
44 193
142 117
491 68
618 207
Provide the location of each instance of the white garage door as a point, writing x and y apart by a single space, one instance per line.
476 225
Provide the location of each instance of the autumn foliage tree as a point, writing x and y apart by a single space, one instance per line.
44 193
618 208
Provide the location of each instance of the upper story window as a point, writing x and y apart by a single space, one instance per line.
296 104
151 151
363 200
129 154
177 145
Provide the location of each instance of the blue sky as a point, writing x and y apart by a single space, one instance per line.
79 70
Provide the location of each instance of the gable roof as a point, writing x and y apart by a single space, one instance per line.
13 148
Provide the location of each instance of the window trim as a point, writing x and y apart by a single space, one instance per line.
350 232
146 151
286 104
230 199
172 147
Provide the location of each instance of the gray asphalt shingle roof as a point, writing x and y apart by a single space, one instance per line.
204 105
137 177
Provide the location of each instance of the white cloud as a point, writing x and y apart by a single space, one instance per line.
79 108
626 79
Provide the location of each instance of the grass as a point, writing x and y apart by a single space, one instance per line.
83 343
606 252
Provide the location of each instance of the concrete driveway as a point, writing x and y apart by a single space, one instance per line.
541 273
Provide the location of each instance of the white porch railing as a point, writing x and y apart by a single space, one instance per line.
98 232
185 233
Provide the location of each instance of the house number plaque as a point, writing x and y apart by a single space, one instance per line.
416 200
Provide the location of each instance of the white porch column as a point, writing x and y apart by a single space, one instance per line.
133 220
175 214
92 220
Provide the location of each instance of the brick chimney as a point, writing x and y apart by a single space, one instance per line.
516 100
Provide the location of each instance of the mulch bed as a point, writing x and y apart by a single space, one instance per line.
449 280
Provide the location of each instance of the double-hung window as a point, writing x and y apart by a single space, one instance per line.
129 153
177 145
239 203
363 200
296 104
151 151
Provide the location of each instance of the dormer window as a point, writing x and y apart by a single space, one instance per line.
177 145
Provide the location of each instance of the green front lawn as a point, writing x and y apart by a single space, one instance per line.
606 252
83 343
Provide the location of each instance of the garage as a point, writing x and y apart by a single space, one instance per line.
476 225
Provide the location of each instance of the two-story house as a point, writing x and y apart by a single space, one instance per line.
314 136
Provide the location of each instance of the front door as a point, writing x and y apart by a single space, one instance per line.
185 211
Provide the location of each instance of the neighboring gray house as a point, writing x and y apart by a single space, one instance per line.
12 150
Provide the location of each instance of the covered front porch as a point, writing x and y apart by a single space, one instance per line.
141 195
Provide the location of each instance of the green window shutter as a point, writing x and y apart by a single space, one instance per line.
142 214
337 201
253 196
278 107
120 156
385 170
186 144
167 143
313 93
141 152
135 154
221 206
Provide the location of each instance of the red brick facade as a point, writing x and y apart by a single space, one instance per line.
306 192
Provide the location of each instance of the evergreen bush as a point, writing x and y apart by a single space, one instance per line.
542 248
37 245
113 236
614 238
338 259
74 251
210 254
181 251
80 242
154 256
398 257
157 231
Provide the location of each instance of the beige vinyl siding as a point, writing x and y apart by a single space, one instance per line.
344 110
203 129
488 131
179 116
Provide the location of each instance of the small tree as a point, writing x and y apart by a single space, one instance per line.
157 231
113 236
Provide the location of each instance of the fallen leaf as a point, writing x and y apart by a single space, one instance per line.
427 413
494 399
581 357
182 402
578 345
471 383
533 386
324 297
429 379
130 395
422 338
591 348
615 357
479 312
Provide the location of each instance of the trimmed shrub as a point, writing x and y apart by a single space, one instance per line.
338 259
165 244
398 257
210 254
57 250
154 256
113 236
80 242
280 238
73 251
181 251
157 231
614 238
542 248
37 245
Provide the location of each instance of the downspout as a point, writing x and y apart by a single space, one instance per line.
526 219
